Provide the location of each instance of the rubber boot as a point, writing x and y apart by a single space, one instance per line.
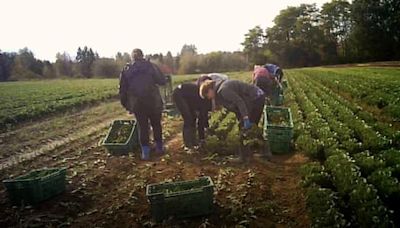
145 153
160 148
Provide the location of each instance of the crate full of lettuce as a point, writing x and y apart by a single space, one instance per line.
122 137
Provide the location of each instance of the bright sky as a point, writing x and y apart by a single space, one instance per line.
50 26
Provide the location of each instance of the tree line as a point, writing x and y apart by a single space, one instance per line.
339 32
87 63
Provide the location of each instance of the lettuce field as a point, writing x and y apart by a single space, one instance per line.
344 170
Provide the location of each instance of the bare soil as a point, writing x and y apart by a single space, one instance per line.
106 190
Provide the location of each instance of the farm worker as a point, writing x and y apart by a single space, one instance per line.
193 110
212 76
275 70
265 81
140 95
245 100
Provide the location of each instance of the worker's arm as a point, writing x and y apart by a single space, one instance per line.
158 76
205 107
123 89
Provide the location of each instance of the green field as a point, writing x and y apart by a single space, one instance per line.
345 121
22 101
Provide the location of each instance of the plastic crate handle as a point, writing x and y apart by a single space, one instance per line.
174 194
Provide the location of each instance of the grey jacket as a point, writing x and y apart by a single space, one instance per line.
236 96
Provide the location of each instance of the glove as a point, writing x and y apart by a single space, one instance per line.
247 124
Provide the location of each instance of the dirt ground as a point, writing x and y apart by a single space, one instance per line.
106 190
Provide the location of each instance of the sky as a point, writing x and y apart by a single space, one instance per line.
156 26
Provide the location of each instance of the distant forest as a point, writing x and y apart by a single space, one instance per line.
339 32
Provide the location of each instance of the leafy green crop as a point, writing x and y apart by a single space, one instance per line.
120 133
20 101
358 162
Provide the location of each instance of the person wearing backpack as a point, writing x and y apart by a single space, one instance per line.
140 95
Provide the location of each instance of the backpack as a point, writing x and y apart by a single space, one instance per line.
139 77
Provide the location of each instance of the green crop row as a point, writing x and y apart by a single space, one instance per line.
328 130
21 101
374 86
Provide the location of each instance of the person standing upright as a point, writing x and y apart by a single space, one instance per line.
140 95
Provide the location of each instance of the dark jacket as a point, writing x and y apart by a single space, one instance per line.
131 101
189 92
236 96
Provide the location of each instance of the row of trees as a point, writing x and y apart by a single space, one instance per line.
24 65
339 32
87 64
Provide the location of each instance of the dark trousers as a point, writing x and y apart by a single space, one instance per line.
255 114
147 115
190 119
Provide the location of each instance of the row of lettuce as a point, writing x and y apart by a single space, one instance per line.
376 87
353 180
30 100
22 101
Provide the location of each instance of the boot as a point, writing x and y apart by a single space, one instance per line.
145 153
189 137
160 148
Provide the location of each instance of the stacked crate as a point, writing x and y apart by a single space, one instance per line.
278 129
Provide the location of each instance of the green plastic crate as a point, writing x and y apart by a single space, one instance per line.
280 146
181 199
36 186
125 147
277 98
170 109
278 136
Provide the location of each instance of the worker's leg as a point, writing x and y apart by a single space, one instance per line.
244 152
189 121
255 116
155 121
257 109
143 123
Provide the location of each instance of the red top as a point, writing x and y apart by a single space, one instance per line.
260 72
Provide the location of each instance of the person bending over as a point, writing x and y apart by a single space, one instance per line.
245 100
194 111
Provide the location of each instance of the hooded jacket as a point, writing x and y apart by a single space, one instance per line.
129 100
236 96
